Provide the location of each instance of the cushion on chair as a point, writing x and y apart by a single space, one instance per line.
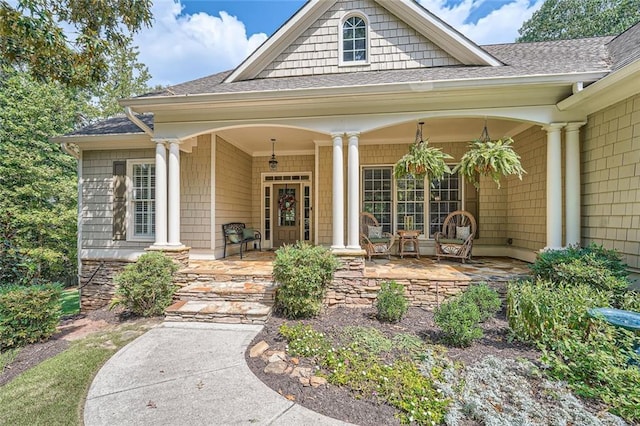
463 232
380 248
233 236
450 241
248 233
375 232
379 240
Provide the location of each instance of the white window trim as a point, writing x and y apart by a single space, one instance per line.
130 216
365 18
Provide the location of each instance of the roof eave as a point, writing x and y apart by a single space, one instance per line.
149 103
610 89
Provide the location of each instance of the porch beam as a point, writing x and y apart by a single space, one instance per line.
338 192
174 193
554 185
572 183
353 190
161 193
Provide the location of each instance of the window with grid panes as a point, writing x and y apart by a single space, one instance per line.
377 194
143 194
410 203
354 40
445 197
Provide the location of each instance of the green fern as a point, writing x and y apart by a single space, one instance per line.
490 158
421 161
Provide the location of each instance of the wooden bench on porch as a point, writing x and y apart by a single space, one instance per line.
236 233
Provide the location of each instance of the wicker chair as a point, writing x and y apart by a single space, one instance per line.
374 245
456 238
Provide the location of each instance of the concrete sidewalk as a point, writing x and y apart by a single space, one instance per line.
189 374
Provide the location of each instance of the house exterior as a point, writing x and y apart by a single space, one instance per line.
335 96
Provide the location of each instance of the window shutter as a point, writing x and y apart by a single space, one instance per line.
119 200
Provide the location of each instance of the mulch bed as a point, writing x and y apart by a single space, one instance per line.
338 402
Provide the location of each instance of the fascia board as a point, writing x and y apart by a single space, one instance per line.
279 41
108 141
439 32
616 86
212 99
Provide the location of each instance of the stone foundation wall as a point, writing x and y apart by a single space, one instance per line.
96 278
362 293
96 282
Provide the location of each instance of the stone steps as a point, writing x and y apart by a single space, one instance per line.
219 312
231 291
224 296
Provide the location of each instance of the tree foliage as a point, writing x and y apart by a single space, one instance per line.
568 19
37 180
32 35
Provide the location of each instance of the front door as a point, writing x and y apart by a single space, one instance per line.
286 214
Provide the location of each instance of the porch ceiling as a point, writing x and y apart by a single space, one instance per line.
256 140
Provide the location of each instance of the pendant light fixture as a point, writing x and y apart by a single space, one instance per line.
273 163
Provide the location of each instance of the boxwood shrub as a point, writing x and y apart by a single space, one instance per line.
28 314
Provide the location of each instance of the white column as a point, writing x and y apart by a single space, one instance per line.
554 185
161 194
338 193
572 183
174 193
353 192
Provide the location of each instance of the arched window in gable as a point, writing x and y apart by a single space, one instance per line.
355 41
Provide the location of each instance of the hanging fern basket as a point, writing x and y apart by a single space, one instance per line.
422 161
493 159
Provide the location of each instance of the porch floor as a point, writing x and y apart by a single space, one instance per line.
478 269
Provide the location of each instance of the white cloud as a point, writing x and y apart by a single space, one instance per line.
180 48
499 26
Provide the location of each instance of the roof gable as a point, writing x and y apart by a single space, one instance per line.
420 30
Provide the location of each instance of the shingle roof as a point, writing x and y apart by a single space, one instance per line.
117 125
520 59
625 48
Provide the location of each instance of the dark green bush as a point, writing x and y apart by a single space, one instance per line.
485 298
391 302
146 286
458 319
545 265
28 314
303 273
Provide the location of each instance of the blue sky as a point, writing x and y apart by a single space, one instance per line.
194 38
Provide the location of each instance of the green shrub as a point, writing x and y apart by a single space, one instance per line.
28 314
546 262
391 302
458 319
146 286
589 354
485 298
303 272
544 312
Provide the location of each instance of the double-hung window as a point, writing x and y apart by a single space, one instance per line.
142 204
409 203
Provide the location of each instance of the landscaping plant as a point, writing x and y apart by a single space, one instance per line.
458 318
485 298
593 357
303 273
146 286
28 314
391 302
